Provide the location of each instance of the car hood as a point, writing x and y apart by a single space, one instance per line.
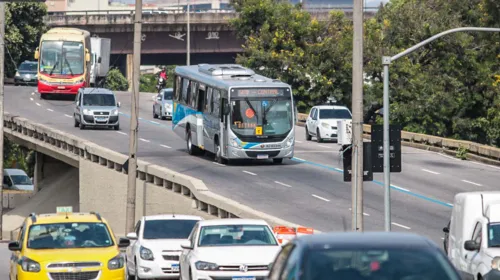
159 246
45 256
235 255
24 187
332 122
100 108
492 252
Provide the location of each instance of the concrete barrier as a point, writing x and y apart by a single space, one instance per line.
475 151
12 199
78 152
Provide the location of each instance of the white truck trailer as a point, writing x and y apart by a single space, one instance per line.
101 56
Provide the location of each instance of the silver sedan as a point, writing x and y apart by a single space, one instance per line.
162 107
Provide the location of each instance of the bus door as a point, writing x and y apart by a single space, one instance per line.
200 104
224 125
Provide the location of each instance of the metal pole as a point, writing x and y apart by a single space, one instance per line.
357 116
188 39
134 121
2 74
387 168
386 61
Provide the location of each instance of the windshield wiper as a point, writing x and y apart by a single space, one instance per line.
251 107
264 120
54 68
69 67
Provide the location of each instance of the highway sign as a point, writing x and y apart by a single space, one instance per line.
377 141
367 163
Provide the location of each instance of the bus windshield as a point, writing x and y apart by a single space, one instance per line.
273 113
62 58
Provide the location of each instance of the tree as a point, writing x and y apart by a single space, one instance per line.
23 28
116 81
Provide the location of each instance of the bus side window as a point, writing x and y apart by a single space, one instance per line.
194 95
201 100
185 90
208 101
216 103
177 88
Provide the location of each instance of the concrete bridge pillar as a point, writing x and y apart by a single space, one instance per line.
130 69
38 174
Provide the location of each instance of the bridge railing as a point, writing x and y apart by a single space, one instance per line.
475 151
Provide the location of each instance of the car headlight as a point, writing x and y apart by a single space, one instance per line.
289 142
495 263
146 254
200 265
17 74
325 125
29 265
116 262
234 143
78 81
87 112
114 112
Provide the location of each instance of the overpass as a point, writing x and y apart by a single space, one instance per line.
308 190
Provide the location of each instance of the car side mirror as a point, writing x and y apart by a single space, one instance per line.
471 245
123 243
132 236
14 246
37 54
186 245
446 230
119 104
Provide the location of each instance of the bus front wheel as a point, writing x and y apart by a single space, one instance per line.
218 154
192 149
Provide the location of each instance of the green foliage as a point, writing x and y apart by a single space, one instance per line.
24 26
116 81
462 153
16 156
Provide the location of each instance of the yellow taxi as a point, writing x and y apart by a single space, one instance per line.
67 245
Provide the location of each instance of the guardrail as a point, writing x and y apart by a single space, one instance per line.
77 149
474 151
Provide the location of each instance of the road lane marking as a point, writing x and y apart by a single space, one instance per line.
248 172
31 98
50 110
154 122
479 185
38 104
364 214
319 197
297 141
165 146
66 115
33 93
400 225
283 184
122 133
299 159
400 188
144 140
214 162
429 171
323 146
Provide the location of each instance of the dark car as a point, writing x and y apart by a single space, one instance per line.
356 256
26 73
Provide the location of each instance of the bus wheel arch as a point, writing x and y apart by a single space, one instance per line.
218 151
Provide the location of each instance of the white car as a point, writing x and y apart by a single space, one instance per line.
322 121
156 245
233 249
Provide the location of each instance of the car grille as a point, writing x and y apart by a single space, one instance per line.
171 258
74 264
169 271
101 113
89 275
253 154
237 267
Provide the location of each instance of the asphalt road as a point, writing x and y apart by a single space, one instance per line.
307 190
4 261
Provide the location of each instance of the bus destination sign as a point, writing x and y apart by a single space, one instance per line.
261 92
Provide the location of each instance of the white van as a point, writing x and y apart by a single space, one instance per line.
474 234
17 179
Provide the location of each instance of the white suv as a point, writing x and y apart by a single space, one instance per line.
322 121
156 245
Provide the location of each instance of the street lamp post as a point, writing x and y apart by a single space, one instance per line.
188 39
386 61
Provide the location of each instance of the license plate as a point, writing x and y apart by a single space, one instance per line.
61 87
243 277
262 156
27 79
101 119
175 268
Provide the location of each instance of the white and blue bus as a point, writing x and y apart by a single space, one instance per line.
230 111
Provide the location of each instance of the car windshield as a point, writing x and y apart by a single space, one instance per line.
334 114
168 95
69 235
98 100
21 180
168 229
494 235
393 264
261 112
236 235
28 67
62 58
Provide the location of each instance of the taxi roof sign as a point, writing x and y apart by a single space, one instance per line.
64 209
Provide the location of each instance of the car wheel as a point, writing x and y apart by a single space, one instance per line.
82 126
136 276
117 127
308 136
76 122
218 154
318 136
161 115
155 116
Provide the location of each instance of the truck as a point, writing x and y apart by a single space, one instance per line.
473 235
101 53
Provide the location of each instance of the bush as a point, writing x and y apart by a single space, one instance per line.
116 81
